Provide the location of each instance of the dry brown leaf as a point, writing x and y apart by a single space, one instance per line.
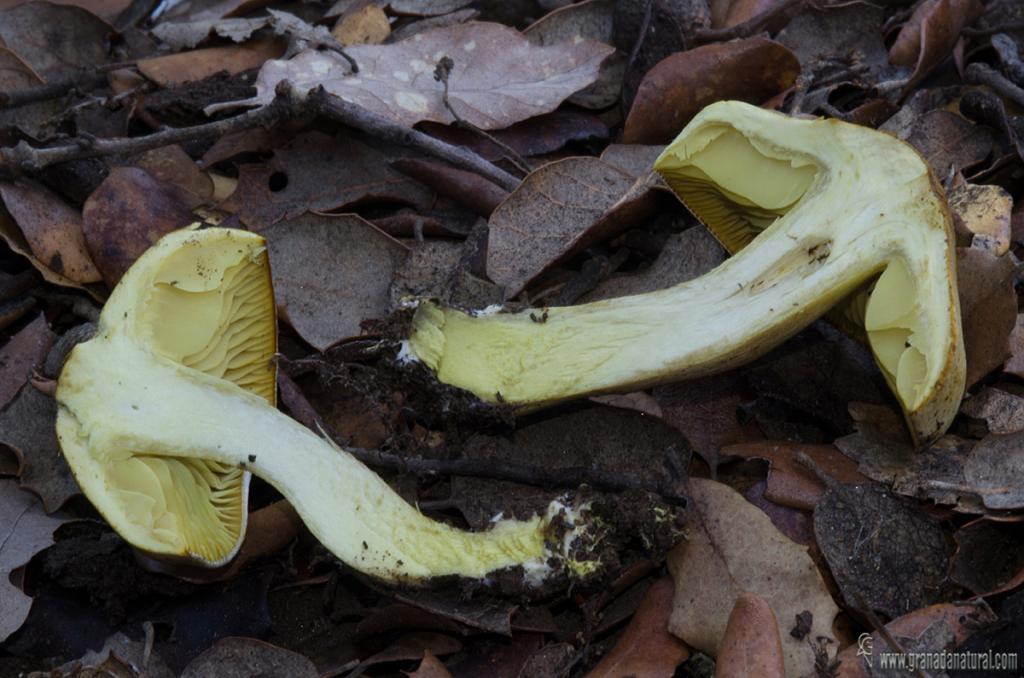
108 10
930 35
246 657
55 40
994 470
646 649
177 69
936 628
172 165
675 90
790 483
949 141
367 25
25 529
126 214
733 548
430 667
498 77
52 228
331 273
22 354
546 214
637 159
319 172
587 20
983 212
466 188
1002 412
988 306
989 556
752 646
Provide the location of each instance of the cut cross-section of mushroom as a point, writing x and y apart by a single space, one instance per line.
813 211
165 410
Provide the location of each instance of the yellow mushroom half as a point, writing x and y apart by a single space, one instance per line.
813 210
162 414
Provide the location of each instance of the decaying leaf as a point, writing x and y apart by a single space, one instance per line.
331 273
646 648
984 213
243 657
733 548
675 90
319 172
995 471
397 80
1015 348
72 37
15 74
752 646
177 69
988 304
22 354
989 556
25 529
930 35
367 25
884 553
52 228
119 657
430 667
949 141
127 213
546 213
1002 412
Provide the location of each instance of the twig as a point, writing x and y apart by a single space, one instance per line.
83 80
25 158
983 74
441 73
751 26
335 108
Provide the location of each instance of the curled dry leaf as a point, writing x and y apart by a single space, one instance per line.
930 35
675 90
988 304
983 213
646 648
546 214
397 80
751 646
25 529
733 548
127 213
331 273
52 228
173 70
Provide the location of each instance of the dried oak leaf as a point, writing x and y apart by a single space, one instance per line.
52 228
25 530
318 172
127 213
935 628
55 40
15 74
949 141
989 556
587 20
995 471
546 214
27 428
498 77
733 548
884 553
988 306
366 25
646 648
678 87
331 273
173 70
21 355
172 165
930 35
243 657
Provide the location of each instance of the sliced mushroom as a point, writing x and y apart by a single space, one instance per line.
162 413
814 210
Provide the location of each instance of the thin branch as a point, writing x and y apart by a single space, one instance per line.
377 126
751 26
441 73
57 88
983 74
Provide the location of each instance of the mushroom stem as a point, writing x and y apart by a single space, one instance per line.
348 508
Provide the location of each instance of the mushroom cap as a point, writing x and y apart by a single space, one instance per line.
201 299
746 173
